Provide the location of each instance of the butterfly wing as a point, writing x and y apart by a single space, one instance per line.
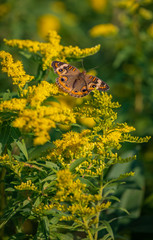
95 82
63 68
70 79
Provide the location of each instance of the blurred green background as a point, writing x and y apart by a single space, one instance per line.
124 28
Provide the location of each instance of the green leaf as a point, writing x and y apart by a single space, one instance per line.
112 198
5 135
108 228
62 236
54 220
37 151
89 184
107 236
52 99
49 178
37 202
120 208
9 189
110 191
46 225
76 163
26 202
6 95
26 54
11 212
23 148
94 230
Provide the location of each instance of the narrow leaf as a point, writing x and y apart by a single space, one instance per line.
76 163
23 148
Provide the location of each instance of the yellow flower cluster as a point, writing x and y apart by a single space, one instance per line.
114 136
13 164
126 175
52 50
38 119
91 167
129 138
72 145
37 94
76 52
106 135
30 114
104 30
41 120
14 70
86 144
72 196
131 5
72 191
100 108
26 186
15 104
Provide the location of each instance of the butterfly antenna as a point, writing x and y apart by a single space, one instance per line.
82 64
94 67
90 68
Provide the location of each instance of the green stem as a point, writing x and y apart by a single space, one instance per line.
138 78
99 202
2 199
87 229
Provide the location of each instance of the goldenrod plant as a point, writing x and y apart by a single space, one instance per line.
55 179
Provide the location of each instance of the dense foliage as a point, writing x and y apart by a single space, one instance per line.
68 168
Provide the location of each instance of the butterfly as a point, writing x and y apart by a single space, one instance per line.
77 84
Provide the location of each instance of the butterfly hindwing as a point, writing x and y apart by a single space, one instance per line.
94 82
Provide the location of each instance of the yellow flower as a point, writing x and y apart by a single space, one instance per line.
4 9
41 120
104 30
26 186
14 70
98 5
72 145
71 190
52 50
131 5
12 163
14 104
76 52
145 13
37 94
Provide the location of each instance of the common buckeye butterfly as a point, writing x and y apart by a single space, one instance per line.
76 83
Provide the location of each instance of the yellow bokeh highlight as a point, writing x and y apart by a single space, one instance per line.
104 30
145 13
98 5
88 122
150 30
47 23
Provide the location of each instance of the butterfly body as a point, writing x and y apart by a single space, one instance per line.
74 82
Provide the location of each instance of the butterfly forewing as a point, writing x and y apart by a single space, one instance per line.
63 68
